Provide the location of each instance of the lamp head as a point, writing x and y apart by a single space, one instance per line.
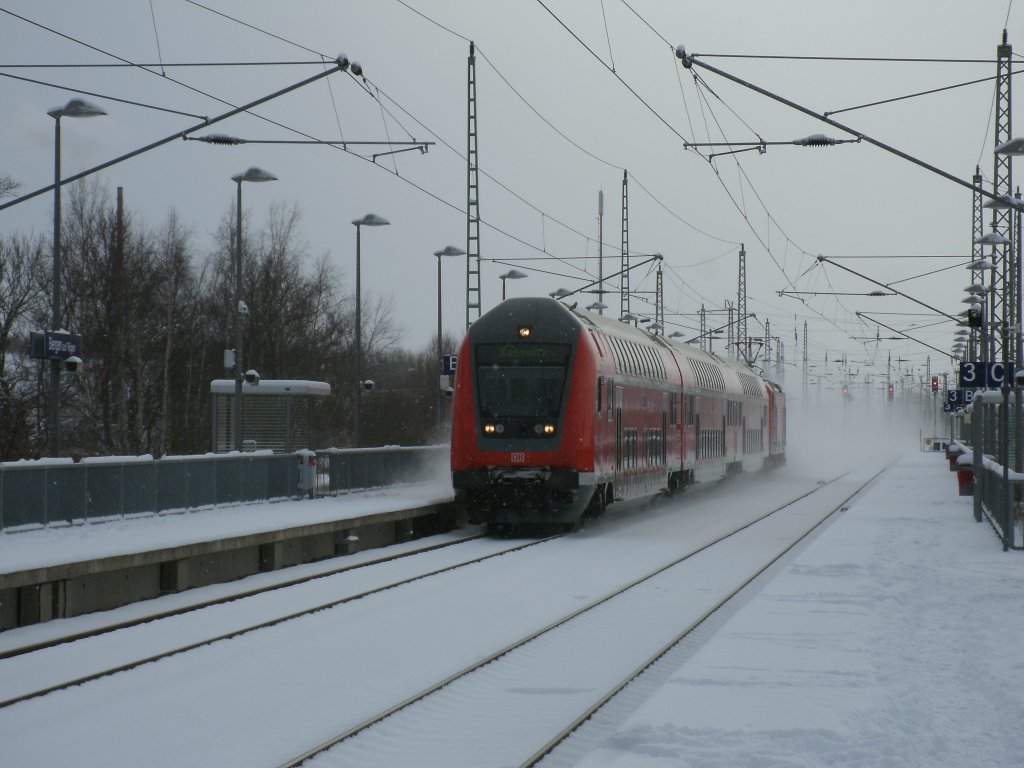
371 220
450 250
77 108
254 174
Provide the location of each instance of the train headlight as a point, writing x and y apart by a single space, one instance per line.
524 331
491 429
544 429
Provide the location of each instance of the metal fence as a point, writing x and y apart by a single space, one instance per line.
340 471
60 492
994 425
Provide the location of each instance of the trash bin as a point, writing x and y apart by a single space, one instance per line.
965 480
307 471
952 453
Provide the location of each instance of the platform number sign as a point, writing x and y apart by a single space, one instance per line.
978 375
957 399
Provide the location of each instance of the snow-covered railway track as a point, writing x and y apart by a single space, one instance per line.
227 593
545 684
161 633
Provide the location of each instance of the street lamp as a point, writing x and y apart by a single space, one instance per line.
253 174
448 250
512 274
369 220
74 108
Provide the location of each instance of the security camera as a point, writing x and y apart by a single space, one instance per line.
72 364
252 377
368 385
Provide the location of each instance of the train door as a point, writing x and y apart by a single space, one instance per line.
664 427
618 429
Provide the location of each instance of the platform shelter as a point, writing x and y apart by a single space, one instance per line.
276 414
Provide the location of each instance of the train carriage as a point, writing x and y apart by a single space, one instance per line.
559 412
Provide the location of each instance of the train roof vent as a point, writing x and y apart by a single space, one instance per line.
709 375
751 385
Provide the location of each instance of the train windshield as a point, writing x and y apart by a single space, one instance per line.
523 380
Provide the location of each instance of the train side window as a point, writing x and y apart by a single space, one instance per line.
610 399
600 392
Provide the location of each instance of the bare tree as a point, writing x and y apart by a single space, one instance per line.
22 298
8 186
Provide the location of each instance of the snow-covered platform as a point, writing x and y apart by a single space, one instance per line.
66 571
892 639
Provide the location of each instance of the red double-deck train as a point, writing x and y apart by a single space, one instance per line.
558 412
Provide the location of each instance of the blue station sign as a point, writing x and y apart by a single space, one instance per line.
957 399
448 364
978 375
55 345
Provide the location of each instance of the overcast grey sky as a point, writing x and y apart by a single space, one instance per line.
539 185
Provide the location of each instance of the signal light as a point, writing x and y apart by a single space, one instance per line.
935 383
974 316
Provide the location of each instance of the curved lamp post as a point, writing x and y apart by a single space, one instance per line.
74 108
253 174
448 250
369 220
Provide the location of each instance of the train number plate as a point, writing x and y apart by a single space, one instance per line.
517 458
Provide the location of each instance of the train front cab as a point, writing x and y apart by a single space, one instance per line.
522 424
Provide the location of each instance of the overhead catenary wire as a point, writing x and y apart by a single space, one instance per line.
587 239
103 96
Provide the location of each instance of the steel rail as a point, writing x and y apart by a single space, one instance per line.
263 624
128 623
567 732
480 663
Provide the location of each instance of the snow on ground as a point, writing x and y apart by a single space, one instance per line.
895 639
68 544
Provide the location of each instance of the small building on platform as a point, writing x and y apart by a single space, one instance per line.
276 414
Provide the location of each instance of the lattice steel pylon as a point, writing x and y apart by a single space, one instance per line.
1003 301
624 277
730 316
742 343
659 302
473 201
978 276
